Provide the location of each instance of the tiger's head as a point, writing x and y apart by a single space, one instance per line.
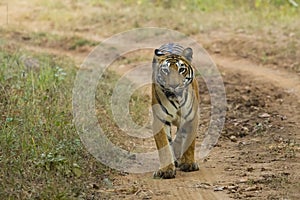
173 72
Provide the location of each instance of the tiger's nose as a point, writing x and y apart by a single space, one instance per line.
174 85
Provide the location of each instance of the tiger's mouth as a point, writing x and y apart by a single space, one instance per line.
177 92
169 93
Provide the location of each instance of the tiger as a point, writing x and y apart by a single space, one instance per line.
175 101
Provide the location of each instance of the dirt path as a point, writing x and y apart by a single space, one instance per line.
283 79
196 186
205 183
212 181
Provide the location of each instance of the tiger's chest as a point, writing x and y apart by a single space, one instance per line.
180 106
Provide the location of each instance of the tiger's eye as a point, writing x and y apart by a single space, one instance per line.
165 70
181 70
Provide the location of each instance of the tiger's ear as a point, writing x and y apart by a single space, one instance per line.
158 52
188 54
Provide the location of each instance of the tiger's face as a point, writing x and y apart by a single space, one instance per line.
173 73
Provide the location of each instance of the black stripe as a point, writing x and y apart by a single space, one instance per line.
191 73
163 121
169 138
190 109
162 106
169 94
173 104
172 48
190 76
192 118
185 99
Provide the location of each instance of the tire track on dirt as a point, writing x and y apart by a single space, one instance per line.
184 186
283 79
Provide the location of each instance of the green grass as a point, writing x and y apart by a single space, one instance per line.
52 40
189 16
41 155
266 31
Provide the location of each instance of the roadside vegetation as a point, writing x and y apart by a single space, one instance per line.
41 155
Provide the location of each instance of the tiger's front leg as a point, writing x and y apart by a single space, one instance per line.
187 134
187 162
167 168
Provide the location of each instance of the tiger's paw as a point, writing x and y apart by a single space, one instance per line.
189 167
165 173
